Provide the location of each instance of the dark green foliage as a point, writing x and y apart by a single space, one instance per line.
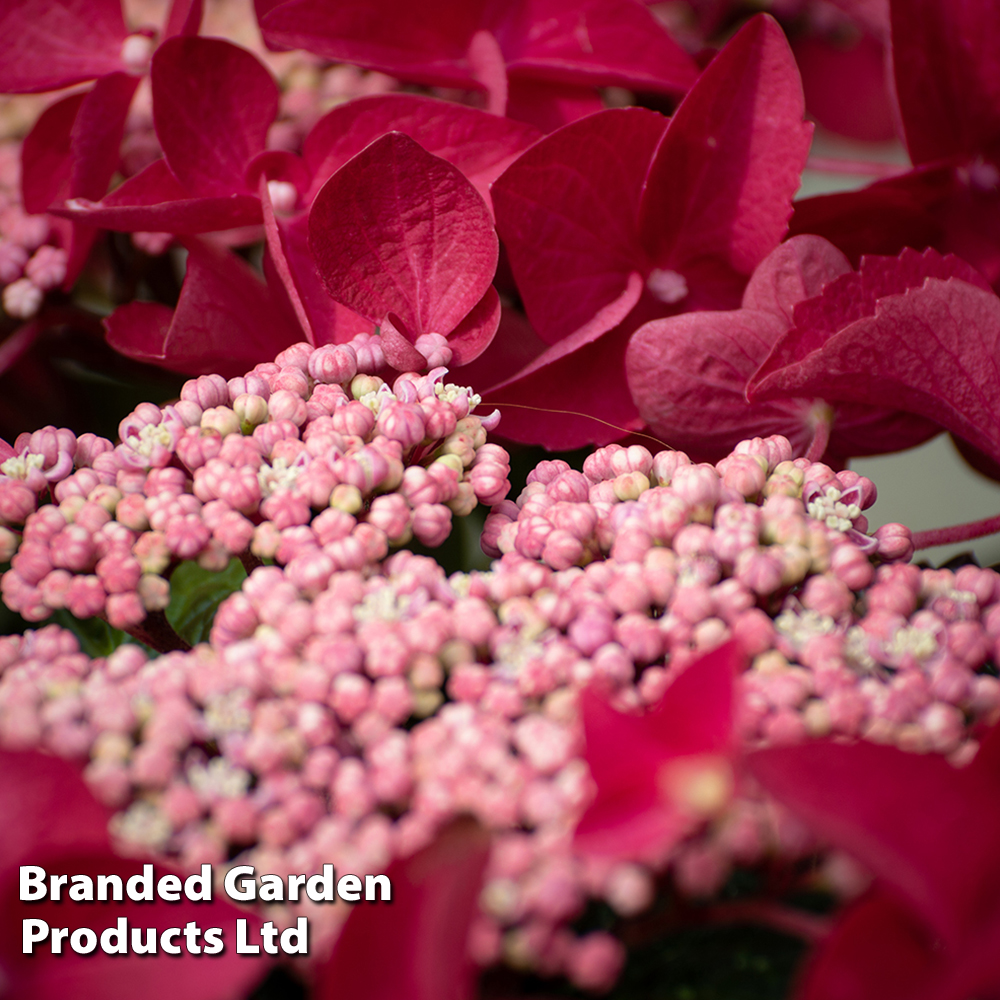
96 636
195 593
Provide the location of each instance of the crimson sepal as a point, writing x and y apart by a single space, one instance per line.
400 234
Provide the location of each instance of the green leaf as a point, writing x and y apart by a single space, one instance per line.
195 593
95 635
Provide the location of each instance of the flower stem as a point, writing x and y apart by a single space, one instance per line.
157 632
854 168
956 533
250 561
821 438
772 914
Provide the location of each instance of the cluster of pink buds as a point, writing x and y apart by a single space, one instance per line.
30 264
345 716
626 497
310 87
312 461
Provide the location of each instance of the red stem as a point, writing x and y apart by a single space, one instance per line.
821 439
17 343
157 632
854 168
250 561
770 914
956 533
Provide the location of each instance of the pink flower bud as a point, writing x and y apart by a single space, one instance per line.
473 620
220 419
350 789
233 531
310 571
419 487
944 726
698 485
73 548
333 363
293 541
549 470
590 630
287 405
296 356
347 553
439 418
368 350
290 379
252 384
186 536
54 588
981 582
154 592
402 422
569 486
665 514
860 486
47 267
561 550
89 446
754 631
635 458
631 544
354 418
236 819
31 231
828 595
197 446
286 509
85 597
639 636
665 465
447 479
435 349
22 298
207 391
759 570
32 561
13 257
391 513
81 483
431 524
125 610
743 473
593 962
152 552
895 542
366 469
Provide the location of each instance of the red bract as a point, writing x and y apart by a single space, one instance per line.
688 374
213 103
72 151
280 187
402 238
536 59
930 928
480 145
947 79
624 217
919 333
661 774
415 948
50 44
226 319
54 821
